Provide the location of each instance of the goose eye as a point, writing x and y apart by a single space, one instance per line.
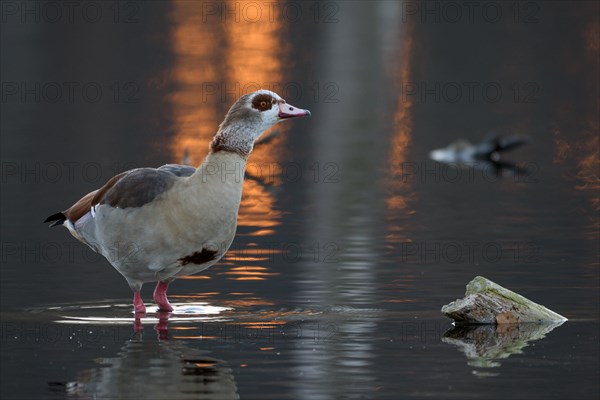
262 102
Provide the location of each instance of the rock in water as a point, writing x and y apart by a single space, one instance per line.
486 302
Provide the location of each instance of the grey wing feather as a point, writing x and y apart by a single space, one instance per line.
140 186
178 170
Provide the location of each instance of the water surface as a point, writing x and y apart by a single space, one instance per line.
350 239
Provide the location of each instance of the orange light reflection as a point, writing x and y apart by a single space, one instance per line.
194 43
249 273
400 196
195 337
192 277
248 302
235 56
247 278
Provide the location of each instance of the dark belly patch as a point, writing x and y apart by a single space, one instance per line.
198 257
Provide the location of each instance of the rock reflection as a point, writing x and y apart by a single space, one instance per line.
484 345
156 369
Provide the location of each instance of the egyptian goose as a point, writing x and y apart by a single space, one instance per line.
156 224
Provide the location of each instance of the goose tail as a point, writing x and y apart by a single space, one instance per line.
56 219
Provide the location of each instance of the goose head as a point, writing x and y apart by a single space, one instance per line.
249 117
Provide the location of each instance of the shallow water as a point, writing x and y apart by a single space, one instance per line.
350 239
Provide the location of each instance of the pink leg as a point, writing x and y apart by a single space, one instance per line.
138 303
160 297
137 324
162 327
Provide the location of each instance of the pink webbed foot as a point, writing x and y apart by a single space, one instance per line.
138 303
160 297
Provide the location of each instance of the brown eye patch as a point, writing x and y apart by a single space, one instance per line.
263 102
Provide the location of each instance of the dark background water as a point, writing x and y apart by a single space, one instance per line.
351 239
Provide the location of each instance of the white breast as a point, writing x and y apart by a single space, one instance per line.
197 213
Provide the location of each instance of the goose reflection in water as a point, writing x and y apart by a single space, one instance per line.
155 369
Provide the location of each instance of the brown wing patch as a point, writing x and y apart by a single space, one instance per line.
263 102
109 185
132 188
84 205
198 257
